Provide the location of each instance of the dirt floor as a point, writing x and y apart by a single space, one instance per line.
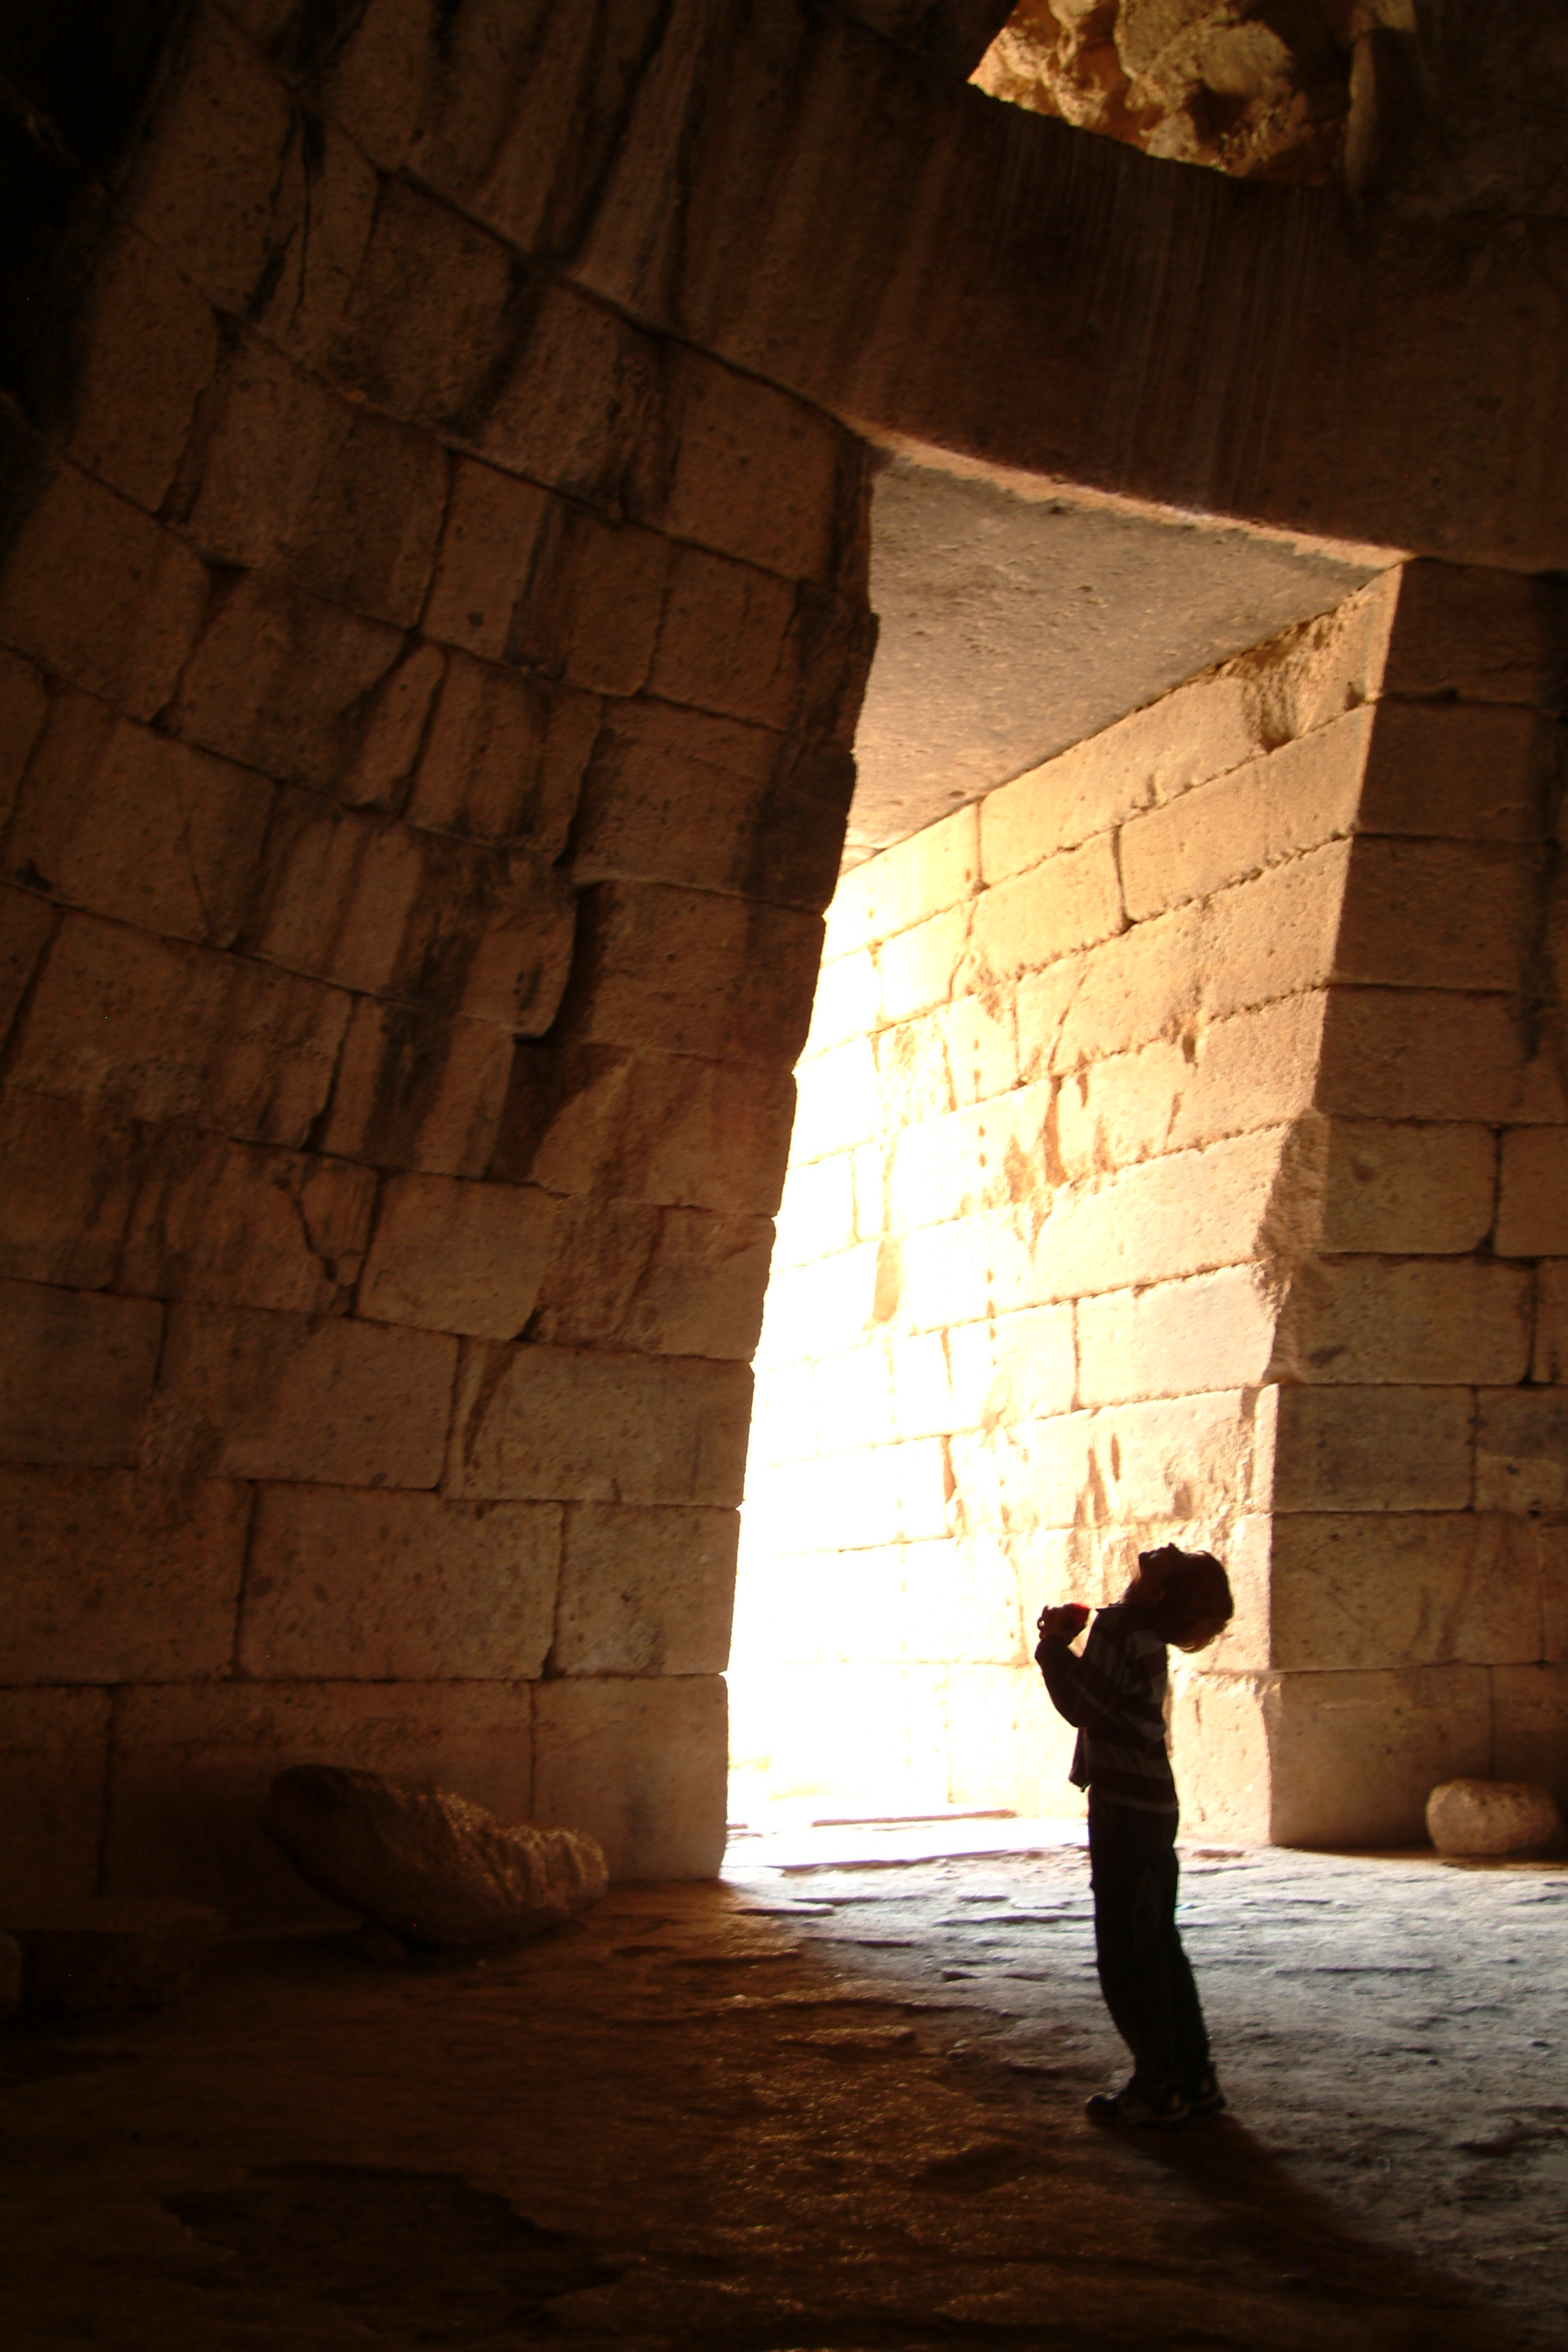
820 2106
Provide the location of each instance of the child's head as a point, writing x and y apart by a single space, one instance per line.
1185 1595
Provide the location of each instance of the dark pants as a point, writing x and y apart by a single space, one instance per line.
1144 1971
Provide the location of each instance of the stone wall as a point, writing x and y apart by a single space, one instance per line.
426 708
1182 1153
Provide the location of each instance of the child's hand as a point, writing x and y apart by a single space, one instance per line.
1064 1623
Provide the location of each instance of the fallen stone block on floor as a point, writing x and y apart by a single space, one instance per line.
111 1952
430 1866
1484 1818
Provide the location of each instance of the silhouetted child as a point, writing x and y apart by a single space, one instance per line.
1115 1693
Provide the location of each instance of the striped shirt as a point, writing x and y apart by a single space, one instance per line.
1116 1695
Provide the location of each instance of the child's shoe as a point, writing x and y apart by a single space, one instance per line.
1135 2104
1205 2097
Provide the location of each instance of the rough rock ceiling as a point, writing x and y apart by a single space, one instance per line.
1016 620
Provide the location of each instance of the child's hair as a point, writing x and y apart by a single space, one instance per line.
1195 1592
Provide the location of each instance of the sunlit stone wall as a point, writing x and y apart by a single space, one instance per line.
1146 1184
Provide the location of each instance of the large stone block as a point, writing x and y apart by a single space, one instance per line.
306 690
1373 1449
415 1091
1184 1213
136 825
932 870
388 910
190 1766
24 708
575 402
1219 1748
1216 1079
1175 1337
645 1592
1533 1199
1354 1755
454 1256
988 1156
54 1747
918 971
1420 1053
1464 632
755 473
1193 1460
75 1374
27 924
914 1082
230 1225
569 1424
685 972
95 591
343 1585
1072 900
648 1126
1437 914
738 641
1399 1188
254 1395
1010 1369
1438 1321
672 1282
1529 1727
67 1180
145 344
678 796
504 758
640 1765
1277 934
430 326
1470 772
821 1309
346 500
113 1577
1364 1591
1549 1361
161 1032
847 1002
1262 814
1145 984
1521 1450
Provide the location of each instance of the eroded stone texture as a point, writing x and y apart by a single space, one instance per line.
1491 1817
428 1865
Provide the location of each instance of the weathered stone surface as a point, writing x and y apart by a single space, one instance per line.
116 1578
1437 914
589 1427
1364 1449
982 1157
935 869
169 1032
67 1176
1491 1817
1262 814
504 758
1436 1319
1216 1079
1532 1203
452 1257
681 972
1473 772
136 825
661 1281
647 1126
640 1765
191 1766
1401 1053
1211 1330
645 1592
1530 1725
98 592
1549 1359
1070 901
379 1587
24 707
429 1864
54 1754
1521 1450
231 1225
111 1953
1353 1757
416 1091
257 1395
1389 1589
1406 1188
145 345
76 1373
755 472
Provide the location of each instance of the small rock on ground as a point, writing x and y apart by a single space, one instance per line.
1492 1817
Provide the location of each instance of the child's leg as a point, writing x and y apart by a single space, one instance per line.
1192 2040
1132 1861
